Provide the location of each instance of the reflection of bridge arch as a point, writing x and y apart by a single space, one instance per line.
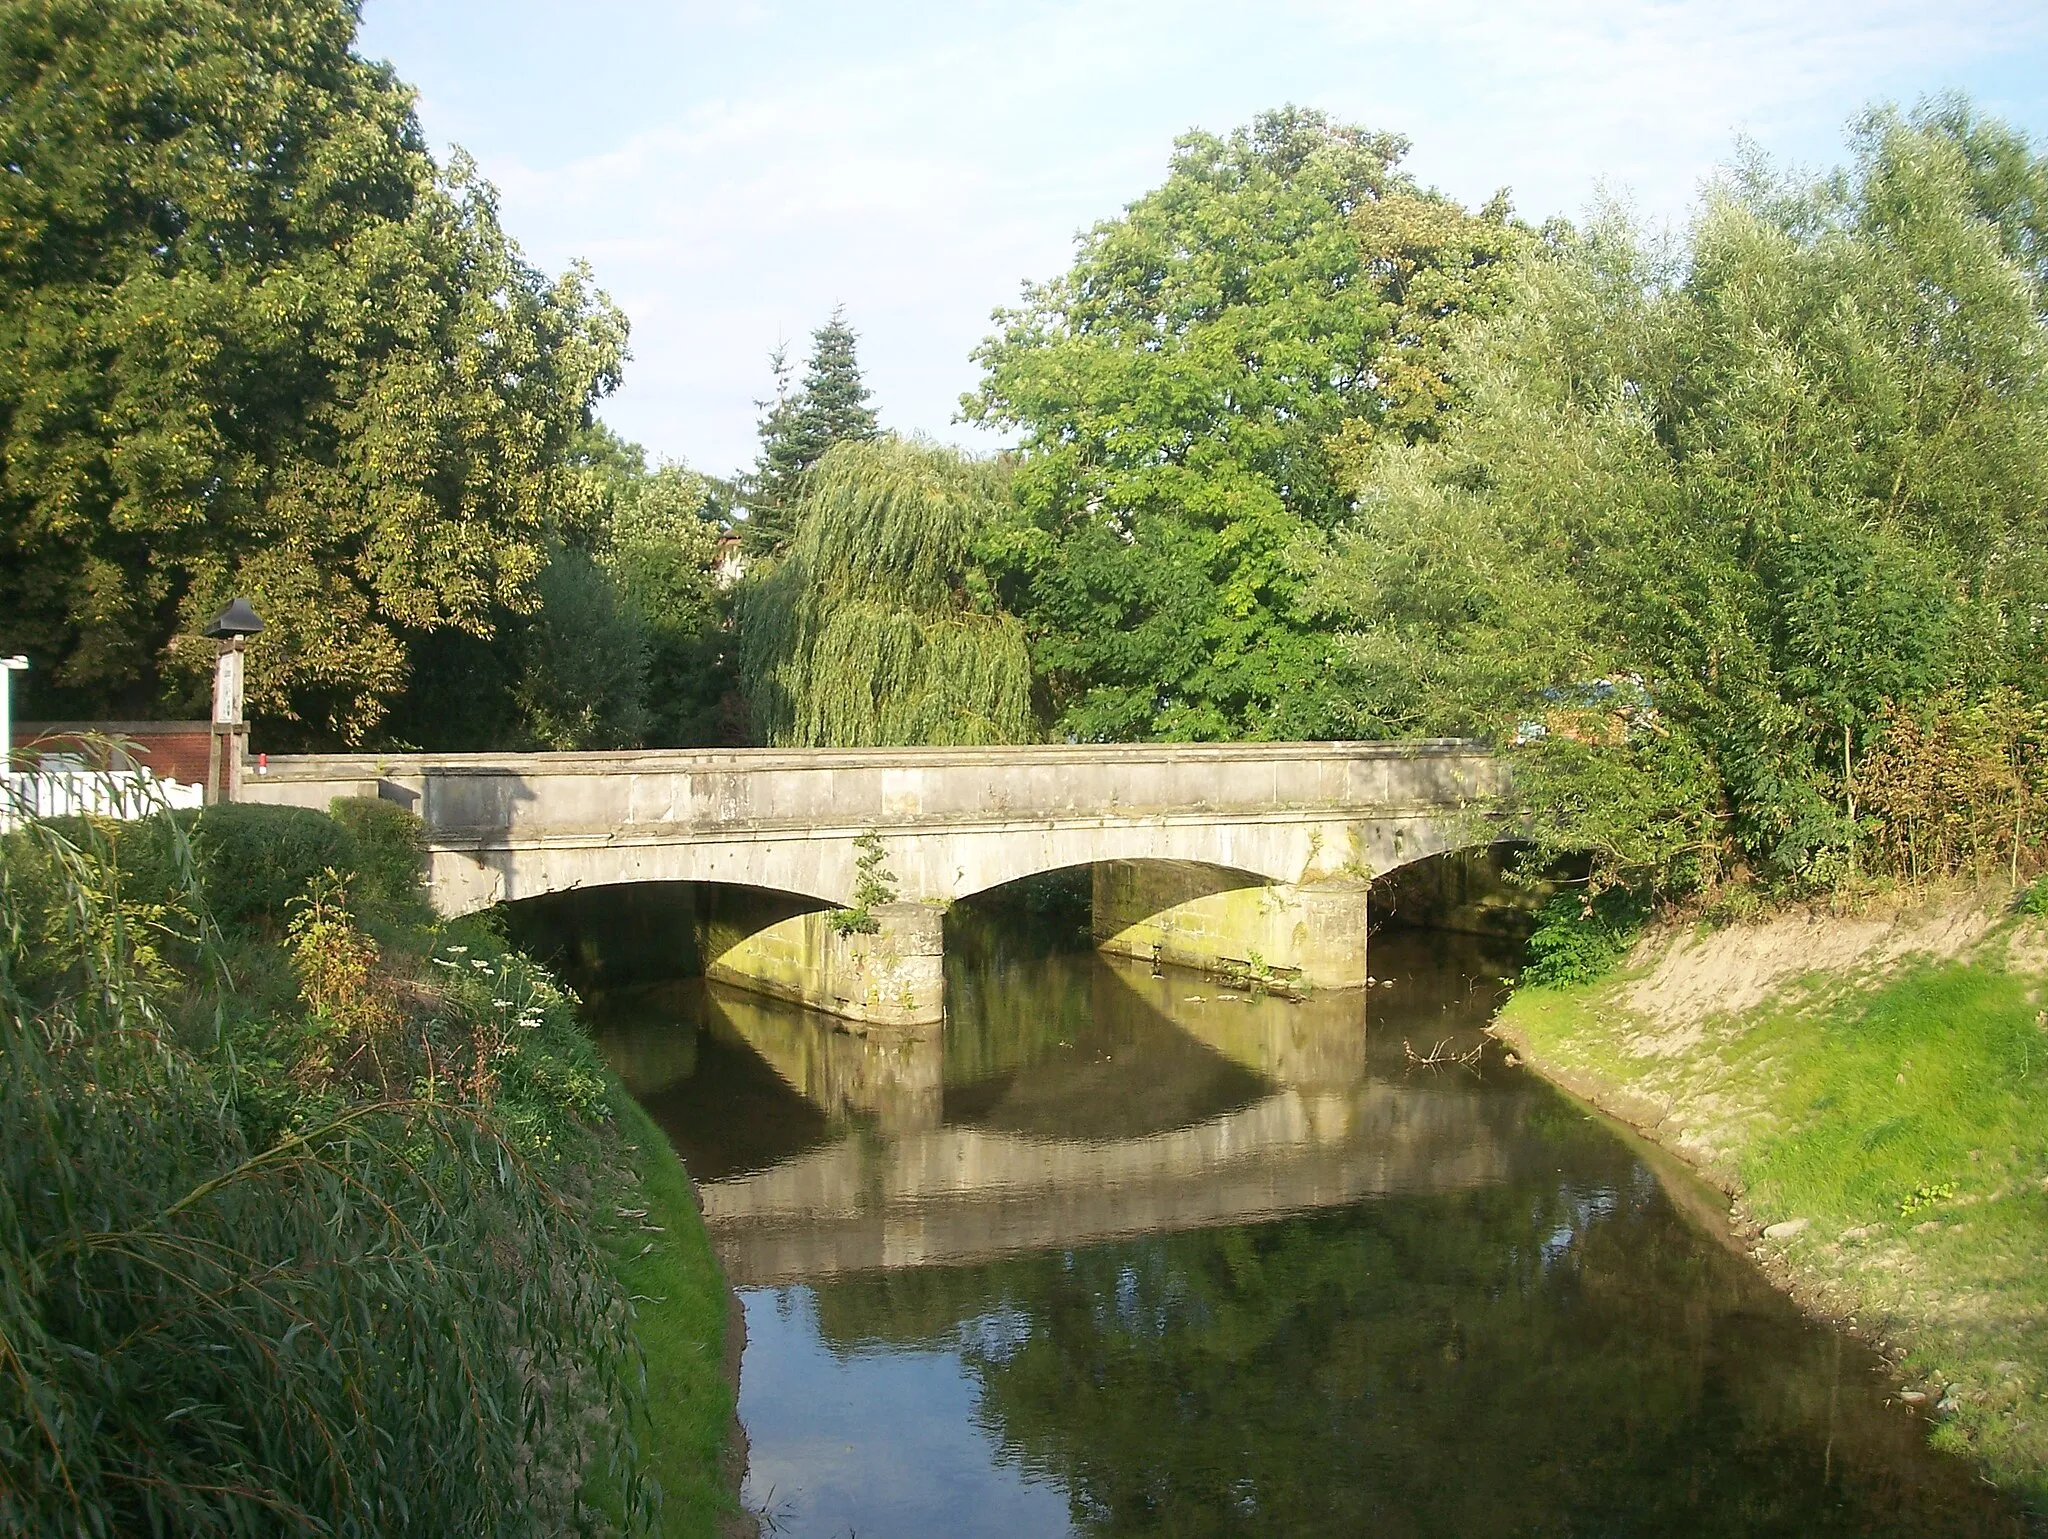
970 1146
1308 817
955 1194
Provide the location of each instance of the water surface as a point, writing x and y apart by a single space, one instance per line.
1129 1254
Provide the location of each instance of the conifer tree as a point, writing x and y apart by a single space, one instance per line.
797 428
835 401
768 492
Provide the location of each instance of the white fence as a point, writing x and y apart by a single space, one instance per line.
67 792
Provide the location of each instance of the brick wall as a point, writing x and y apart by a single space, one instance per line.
172 750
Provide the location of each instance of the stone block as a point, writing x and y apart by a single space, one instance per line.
1188 915
894 977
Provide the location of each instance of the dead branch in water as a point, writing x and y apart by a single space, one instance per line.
1441 1054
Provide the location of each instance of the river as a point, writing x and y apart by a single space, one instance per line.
1124 1253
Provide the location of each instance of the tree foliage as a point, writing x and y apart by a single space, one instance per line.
1189 392
627 644
880 627
584 658
1711 517
798 427
661 552
253 341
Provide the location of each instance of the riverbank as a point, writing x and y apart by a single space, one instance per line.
691 1331
328 1161
1872 1090
253 1066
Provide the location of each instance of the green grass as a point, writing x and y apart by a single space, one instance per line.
680 1299
1905 1116
1918 1111
1938 1079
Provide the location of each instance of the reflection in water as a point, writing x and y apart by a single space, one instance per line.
723 1106
1135 1254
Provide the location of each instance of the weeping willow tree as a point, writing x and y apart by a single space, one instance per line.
879 629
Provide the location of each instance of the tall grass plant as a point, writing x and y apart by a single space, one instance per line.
362 1313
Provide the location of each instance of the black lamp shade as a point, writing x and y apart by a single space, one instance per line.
238 619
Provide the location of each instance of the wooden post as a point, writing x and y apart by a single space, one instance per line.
224 753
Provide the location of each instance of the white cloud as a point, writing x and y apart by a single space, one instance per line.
1651 96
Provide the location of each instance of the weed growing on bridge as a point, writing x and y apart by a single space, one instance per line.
873 884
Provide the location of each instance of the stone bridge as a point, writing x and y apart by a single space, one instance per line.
1252 856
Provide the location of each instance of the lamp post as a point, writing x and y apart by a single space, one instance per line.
230 741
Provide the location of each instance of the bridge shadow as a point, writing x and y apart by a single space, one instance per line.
1470 891
634 934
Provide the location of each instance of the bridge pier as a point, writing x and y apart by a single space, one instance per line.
892 977
1190 915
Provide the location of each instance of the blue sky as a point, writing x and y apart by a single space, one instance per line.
732 171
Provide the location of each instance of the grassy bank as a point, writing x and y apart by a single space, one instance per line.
1874 1092
664 1261
318 1213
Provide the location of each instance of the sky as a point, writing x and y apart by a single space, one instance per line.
734 171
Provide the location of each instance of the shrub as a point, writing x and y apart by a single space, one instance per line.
1580 936
255 860
390 855
527 1054
1960 786
380 1322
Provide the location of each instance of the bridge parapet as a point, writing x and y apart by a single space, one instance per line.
479 794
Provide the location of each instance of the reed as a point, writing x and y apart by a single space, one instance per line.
377 1319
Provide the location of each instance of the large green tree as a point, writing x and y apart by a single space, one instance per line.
253 341
629 644
1189 393
1711 518
797 427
